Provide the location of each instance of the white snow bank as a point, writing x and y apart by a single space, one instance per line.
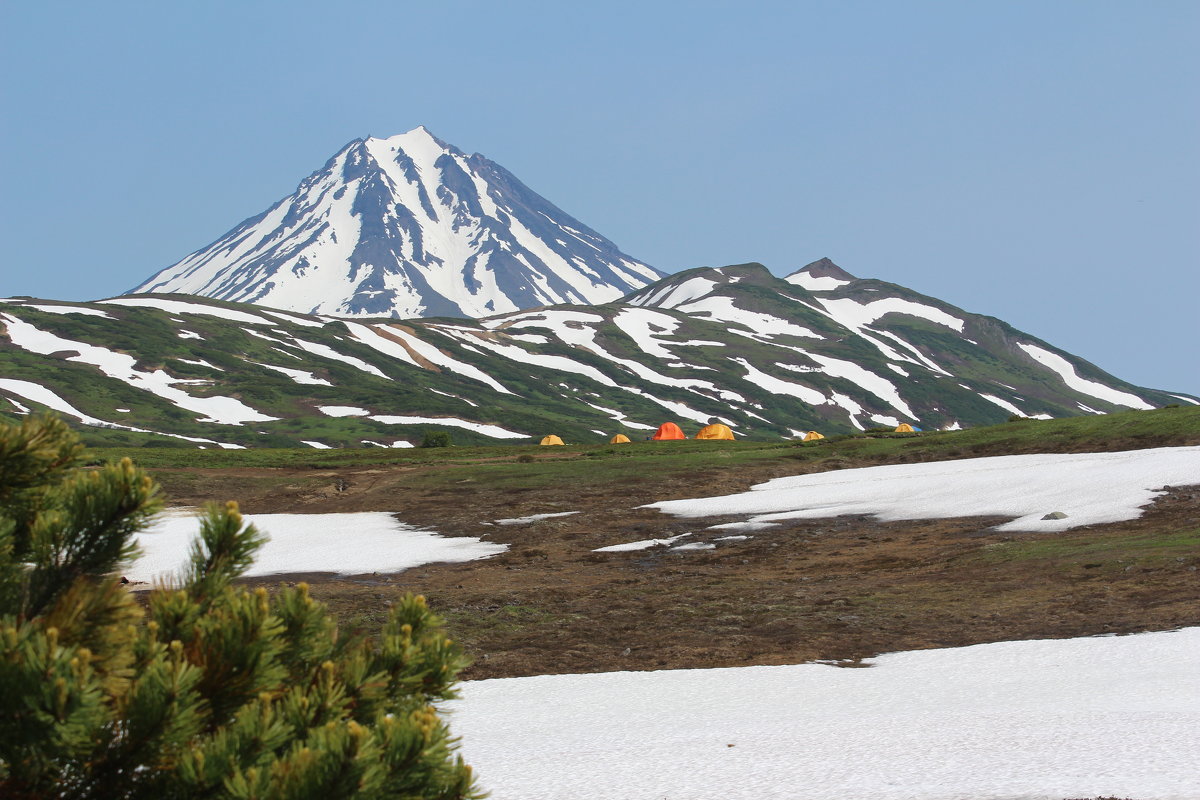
854 315
533 518
345 543
1071 378
1090 488
184 307
87 312
343 411
825 283
298 375
495 431
40 394
123 367
644 544
1028 720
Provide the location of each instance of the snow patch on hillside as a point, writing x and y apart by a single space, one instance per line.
184 307
222 410
495 431
1071 378
811 282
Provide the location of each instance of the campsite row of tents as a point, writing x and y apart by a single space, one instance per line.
665 432
669 430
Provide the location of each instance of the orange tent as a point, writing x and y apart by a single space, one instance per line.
620 438
904 427
551 439
715 431
668 430
812 436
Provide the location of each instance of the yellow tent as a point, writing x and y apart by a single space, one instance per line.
812 436
904 427
620 438
715 431
551 439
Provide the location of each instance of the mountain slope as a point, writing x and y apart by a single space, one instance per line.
766 355
408 226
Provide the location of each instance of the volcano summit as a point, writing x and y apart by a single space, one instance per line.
408 226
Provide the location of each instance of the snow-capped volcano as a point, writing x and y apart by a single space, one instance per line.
408 226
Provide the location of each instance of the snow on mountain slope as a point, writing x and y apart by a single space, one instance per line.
224 410
766 356
408 226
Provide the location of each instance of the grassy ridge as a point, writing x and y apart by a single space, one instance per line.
597 463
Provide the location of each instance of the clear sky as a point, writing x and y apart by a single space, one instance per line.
1035 161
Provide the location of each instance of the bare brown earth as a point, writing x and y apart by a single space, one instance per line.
839 589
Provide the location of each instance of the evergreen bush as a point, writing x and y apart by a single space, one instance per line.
436 439
210 690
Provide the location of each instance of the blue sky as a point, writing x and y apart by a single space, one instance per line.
1035 161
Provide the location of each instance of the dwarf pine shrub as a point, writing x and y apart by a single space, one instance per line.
207 689
436 439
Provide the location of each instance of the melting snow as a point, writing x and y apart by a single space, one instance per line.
495 431
813 283
90 312
344 543
1007 406
199 362
776 386
328 352
223 410
671 296
644 544
533 518
298 375
436 356
343 411
1036 720
40 394
855 315
295 320
1090 488
760 326
1071 378
183 307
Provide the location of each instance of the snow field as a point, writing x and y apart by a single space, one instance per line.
1026 720
1090 488
344 543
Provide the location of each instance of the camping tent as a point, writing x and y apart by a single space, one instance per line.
812 436
904 427
620 438
715 431
668 430
551 439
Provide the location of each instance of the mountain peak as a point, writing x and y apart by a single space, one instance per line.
408 226
821 275
419 137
